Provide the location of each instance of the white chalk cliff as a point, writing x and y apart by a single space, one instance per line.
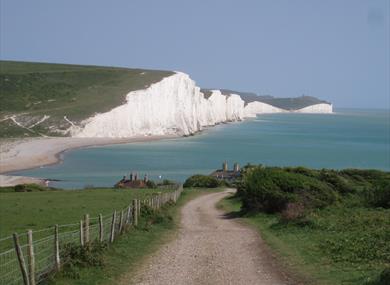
174 106
321 108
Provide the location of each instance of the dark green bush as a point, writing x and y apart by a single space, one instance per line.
379 195
20 188
202 181
150 184
384 278
30 188
271 189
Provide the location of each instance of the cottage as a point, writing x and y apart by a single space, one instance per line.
226 174
132 182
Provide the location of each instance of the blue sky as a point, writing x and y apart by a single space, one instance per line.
336 50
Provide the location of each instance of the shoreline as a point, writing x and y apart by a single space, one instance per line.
23 154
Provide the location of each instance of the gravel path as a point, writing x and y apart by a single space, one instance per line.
210 249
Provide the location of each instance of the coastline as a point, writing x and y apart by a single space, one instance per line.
25 154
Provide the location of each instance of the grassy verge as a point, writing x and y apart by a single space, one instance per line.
329 250
128 252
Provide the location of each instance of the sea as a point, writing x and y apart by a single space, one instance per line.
348 138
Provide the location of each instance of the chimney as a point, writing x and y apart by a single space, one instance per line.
236 167
225 166
131 176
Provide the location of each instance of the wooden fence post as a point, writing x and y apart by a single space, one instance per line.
139 208
128 215
81 233
56 248
112 234
101 232
135 212
86 228
22 264
31 258
120 222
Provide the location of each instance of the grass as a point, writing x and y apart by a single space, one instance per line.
123 258
32 90
41 209
343 244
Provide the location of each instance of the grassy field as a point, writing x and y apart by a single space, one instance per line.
31 91
344 239
37 210
128 252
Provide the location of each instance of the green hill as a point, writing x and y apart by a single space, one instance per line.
283 103
29 91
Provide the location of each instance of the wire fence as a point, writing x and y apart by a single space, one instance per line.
28 259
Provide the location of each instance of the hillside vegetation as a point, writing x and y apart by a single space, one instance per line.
283 103
333 225
35 97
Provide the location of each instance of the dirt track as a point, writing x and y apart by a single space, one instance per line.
210 249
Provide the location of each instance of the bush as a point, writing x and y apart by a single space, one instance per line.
379 196
302 170
20 188
271 189
30 188
336 181
150 184
202 181
384 278
80 257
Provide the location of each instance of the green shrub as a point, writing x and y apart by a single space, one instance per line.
384 278
202 181
379 195
31 188
151 184
302 170
337 182
20 188
81 257
271 189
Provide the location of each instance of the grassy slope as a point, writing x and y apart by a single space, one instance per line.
128 252
33 90
334 249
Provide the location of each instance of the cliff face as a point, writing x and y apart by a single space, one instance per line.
317 108
173 106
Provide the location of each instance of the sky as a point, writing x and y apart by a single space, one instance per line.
336 50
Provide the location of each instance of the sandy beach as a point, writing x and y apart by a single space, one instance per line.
35 152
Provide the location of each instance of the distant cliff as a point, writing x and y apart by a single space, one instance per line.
176 106
40 99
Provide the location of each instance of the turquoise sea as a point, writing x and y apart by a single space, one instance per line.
349 138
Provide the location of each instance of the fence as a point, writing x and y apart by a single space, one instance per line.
28 259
